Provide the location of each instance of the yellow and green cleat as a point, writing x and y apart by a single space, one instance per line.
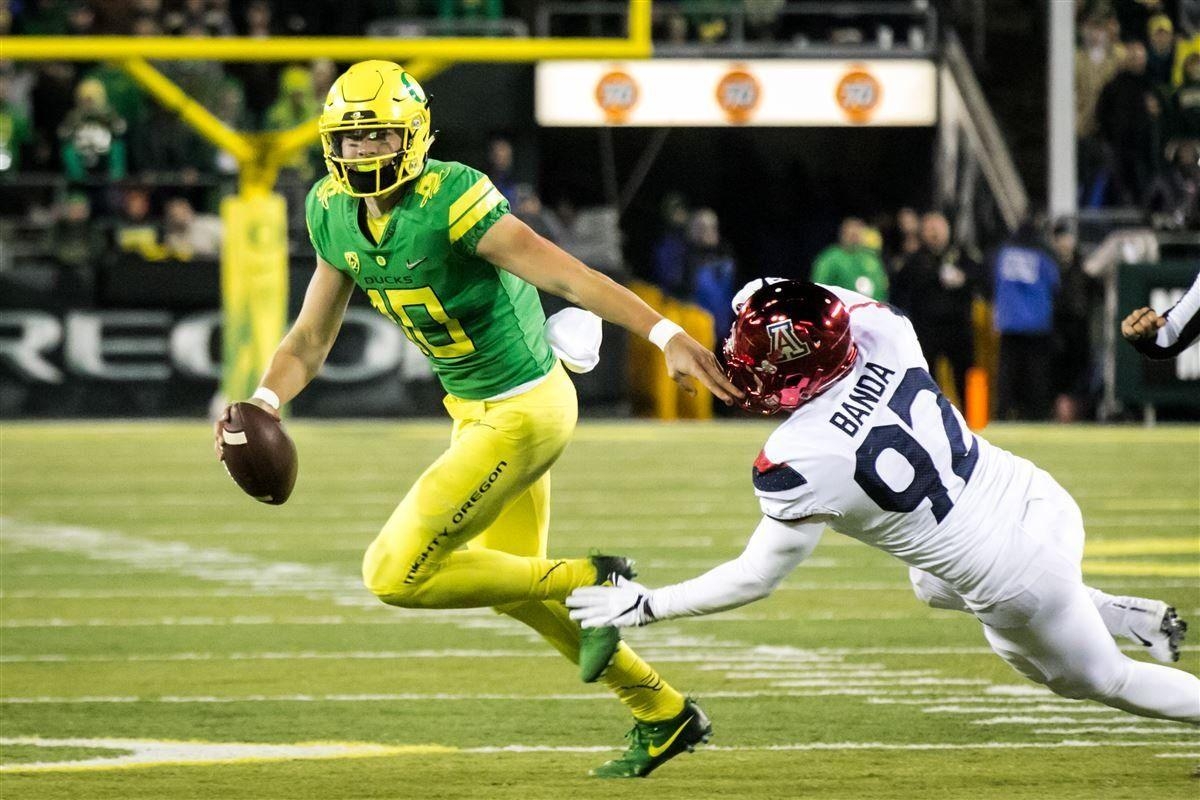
597 645
652 744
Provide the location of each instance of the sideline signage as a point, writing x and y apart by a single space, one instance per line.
705 92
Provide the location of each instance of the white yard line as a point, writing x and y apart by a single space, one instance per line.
150 753
408 697
1111 729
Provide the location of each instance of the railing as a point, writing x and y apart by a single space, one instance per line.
965 111
877 28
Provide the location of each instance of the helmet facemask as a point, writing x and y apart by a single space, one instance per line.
373 175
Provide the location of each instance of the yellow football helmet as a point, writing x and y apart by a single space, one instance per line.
369 99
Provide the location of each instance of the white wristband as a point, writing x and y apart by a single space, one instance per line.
267 396
662 332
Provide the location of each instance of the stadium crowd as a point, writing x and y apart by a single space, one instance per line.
137 180
1137 108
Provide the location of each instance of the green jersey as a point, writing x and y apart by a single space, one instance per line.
480 326
858 270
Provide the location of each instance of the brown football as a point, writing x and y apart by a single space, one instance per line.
259 455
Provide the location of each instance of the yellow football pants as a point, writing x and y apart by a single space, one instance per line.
490 492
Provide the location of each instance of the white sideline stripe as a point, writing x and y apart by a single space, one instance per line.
409 697
752 658
835 746
850 673
1177 755
179 558
1044 720
1115 729
1062 707
901 682
486 615
159 753
981 700
290 656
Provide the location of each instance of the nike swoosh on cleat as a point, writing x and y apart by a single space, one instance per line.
1145 642
655 752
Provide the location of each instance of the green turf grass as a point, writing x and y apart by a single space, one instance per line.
144 597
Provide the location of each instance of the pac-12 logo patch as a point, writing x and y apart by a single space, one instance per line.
785 342
351 260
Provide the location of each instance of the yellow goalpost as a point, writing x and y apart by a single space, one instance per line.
254 253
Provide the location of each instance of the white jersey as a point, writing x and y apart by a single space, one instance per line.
886 457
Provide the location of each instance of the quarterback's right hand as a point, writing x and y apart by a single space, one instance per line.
1142 324
218 444
626 604
685 356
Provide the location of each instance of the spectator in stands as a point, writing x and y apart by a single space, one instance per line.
76 240
146 25
1026 281
850 264
1096 62
1128 114
230 109
133 230
1185 102
470 9
1160 52
1133 16
1077 298
296 106
1174 200
669 259
907 239
44 18
15 134
500 165
710 269
92 137
128 102
260 79
81 19
1188 17
937 288
188 235
529 208
593 235
218 19
324 73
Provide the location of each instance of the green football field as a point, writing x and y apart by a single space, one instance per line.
164 636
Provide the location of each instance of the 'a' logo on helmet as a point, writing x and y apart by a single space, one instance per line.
785 343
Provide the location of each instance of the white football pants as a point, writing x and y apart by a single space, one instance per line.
1053 634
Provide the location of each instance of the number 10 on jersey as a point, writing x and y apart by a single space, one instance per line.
446 339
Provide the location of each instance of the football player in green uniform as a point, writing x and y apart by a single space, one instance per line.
434 247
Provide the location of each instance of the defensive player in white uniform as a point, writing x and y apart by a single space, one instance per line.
1169 334
875 451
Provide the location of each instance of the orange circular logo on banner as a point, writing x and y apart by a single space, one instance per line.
858 94
617 94
738 95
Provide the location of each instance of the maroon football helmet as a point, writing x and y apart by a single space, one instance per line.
790 342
